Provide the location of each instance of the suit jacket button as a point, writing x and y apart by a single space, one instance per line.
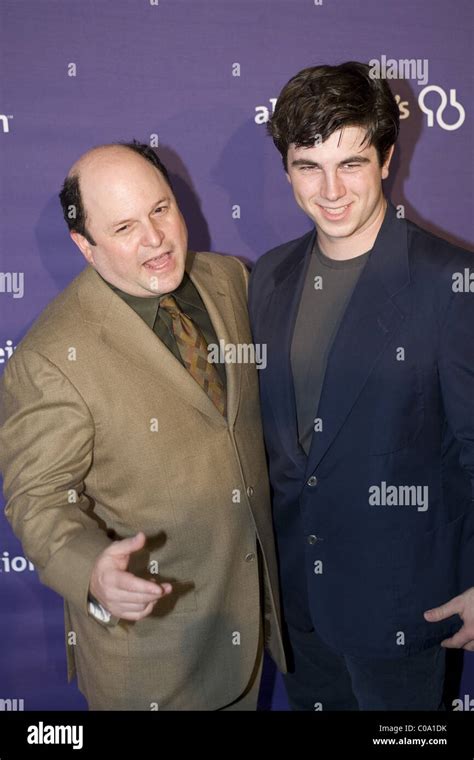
312 539
250 557
250 491
312 481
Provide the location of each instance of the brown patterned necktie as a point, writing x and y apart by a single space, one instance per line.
193 349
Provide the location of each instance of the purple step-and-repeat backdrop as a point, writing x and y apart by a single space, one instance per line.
198 79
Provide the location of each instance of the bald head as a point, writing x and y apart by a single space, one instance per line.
72 195
96 156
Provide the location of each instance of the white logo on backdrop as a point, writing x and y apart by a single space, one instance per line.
6 351
444 102
5 122
15 564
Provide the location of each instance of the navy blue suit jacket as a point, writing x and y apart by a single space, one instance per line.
362 574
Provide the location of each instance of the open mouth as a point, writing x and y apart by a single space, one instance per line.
335 213
157 263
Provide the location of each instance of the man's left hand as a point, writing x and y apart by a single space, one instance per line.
462 605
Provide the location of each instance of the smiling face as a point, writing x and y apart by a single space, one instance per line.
134 219
338 184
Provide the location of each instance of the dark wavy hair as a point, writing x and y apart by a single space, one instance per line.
70 195
323 99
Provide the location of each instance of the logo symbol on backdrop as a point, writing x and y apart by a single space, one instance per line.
5 122
6 351
15 564
444 102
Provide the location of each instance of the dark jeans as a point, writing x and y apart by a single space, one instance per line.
323 679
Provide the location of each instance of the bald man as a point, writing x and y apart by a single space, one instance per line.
134 468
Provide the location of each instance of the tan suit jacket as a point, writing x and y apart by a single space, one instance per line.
104 434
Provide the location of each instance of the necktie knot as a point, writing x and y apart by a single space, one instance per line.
168 303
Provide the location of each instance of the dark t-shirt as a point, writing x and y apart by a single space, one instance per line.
326 293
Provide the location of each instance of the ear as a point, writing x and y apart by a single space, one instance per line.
288 177
386 166
84 246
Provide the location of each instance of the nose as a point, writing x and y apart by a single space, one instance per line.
332 187
153 235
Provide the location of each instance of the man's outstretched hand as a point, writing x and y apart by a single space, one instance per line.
120 592
462 605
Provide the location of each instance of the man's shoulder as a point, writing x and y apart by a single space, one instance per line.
215 266
435 250
61 317
221 262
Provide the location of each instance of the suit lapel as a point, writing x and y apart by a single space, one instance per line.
370 320
124 331
214 291
281 315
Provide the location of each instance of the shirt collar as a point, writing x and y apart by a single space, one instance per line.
147 306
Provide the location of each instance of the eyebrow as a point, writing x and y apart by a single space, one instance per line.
125 221
350 160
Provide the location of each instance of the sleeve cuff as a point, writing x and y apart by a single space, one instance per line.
97 611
